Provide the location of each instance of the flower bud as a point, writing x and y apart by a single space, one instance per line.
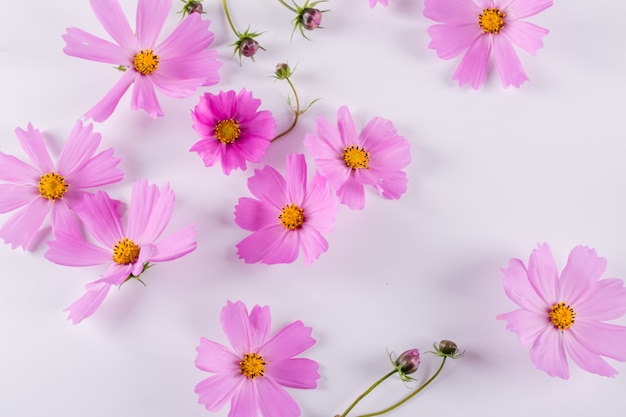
192 6
448 347
248 47
408 361
311 18
282 71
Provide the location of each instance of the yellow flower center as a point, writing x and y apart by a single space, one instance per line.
52 186
291 216
227 131
146 62
125 252
252 365
491 20
562 316
356 157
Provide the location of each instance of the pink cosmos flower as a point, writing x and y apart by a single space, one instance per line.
128 252
478 27
232 130
176 66
48 187
373 3
350 160
286 216
566 313
253 373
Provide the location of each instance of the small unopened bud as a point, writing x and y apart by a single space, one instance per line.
408 361
448 347
311 18
194 7
248 47
282 71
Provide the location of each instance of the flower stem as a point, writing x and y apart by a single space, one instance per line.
297 111
367 391
288 6
408 397
230 21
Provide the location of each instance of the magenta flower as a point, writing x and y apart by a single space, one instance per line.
478 27
48 187
128 252
566 313
232 130
175 67
286 216
350 160
373 3
253 373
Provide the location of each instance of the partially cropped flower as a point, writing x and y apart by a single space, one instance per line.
41 186
566 312
232 129
373 3
350 161
192 6
251 375
307 16
129 251
476 28
176 66
287 216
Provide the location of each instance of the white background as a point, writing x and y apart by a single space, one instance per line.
493 173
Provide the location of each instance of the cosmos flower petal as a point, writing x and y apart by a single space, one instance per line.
295 176
236 325
81 44
290 341
105 107
518 288
473 66
113 20
245 403
72 249
543 275
64 219
347 130
150 211
100 170
526 324
449 41
604 339
451 11
15 196
21 228
79 148
32 143
260 322
583 270
144 97
526 8
217 390
100 215
176 245
321 206
373 3
251 214
507 63
607 301
525 35
268 186
216 358
274 246
88 303
587 360
16 171
352 194
191 36
313 245
548 353
294 372
274 400
151 16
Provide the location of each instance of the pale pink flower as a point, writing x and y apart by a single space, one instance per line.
128 251
176 66
566 313
476 28
286 216
373 3
43 187
350 160
252 374
232 130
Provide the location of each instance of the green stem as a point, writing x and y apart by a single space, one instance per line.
367 391
288 6
230 21
411 395
297 112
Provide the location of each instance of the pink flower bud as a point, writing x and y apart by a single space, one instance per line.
408 361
